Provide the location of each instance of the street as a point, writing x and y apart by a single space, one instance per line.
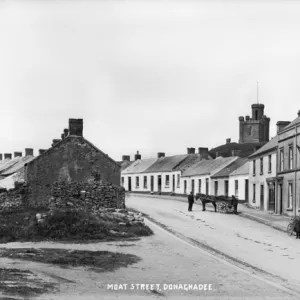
270 253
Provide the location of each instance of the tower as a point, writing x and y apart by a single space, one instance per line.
255 129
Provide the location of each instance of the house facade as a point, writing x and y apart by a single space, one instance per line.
71 159
288 169
239 182
262 177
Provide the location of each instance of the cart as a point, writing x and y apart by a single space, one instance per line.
222 204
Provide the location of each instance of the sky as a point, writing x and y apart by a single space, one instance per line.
148 76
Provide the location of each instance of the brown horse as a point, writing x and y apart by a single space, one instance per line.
206 199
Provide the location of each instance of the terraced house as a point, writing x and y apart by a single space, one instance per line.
239 182
288 169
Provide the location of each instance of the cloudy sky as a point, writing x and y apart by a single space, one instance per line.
154 76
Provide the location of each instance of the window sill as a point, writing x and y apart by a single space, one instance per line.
167 186
289 209
269 172
137 187
253 175
261 173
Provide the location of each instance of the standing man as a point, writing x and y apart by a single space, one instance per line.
191 201
235 203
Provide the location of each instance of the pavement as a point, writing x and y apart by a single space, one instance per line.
278 222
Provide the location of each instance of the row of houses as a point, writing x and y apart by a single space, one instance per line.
264 173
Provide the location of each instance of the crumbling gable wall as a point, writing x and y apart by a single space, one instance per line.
73 159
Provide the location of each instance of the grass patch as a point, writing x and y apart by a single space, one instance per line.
67 225
22 283
100 261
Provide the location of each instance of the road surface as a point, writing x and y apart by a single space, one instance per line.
262 250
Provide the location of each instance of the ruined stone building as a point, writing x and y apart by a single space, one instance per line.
70 159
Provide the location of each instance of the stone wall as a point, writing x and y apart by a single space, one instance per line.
90 196
13 199
73 159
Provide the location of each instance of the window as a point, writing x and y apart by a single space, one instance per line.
185 186
137 182
250 130
254 193
236 188
281 160
122 181
178 180
167 180
290 195
261 165
199 186
193 186
270 163
253 162
291 165
216 188
145 182
226 184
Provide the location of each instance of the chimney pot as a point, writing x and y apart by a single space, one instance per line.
228 141
192 150
55 141
126 157
203 152
28 152
7 155
66 132
76 127
137 156
160 154
1 157
16 154
41 151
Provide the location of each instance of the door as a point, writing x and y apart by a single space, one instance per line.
216 188
185 186
271 206
159 183
246 189
226 188
193 186
262 197
173 184
129 184
280 200
206 186
152 183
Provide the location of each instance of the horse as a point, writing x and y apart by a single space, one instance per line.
206 199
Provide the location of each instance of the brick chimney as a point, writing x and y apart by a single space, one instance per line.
66 132
16 154
126 157
256 148
190 150
76 127
160 154
41 151
281 124
7 155
55 141
28 151
203 152
1 157
228 141
236 152
137 156
298 113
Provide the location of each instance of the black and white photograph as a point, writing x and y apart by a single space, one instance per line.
150 149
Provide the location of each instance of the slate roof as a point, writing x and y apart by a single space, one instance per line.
139 166
226 149
9 163
207 167
226 171
293 123
124 164
166 164
188 162
269 146
243 170
18 166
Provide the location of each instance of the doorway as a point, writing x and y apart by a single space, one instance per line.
271 206
185 186
173 184
262 197
280 200
226 188
129 184
193 186
159 183
247 190
206 186
152 183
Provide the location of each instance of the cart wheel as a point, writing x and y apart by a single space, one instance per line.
290 229
230 208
